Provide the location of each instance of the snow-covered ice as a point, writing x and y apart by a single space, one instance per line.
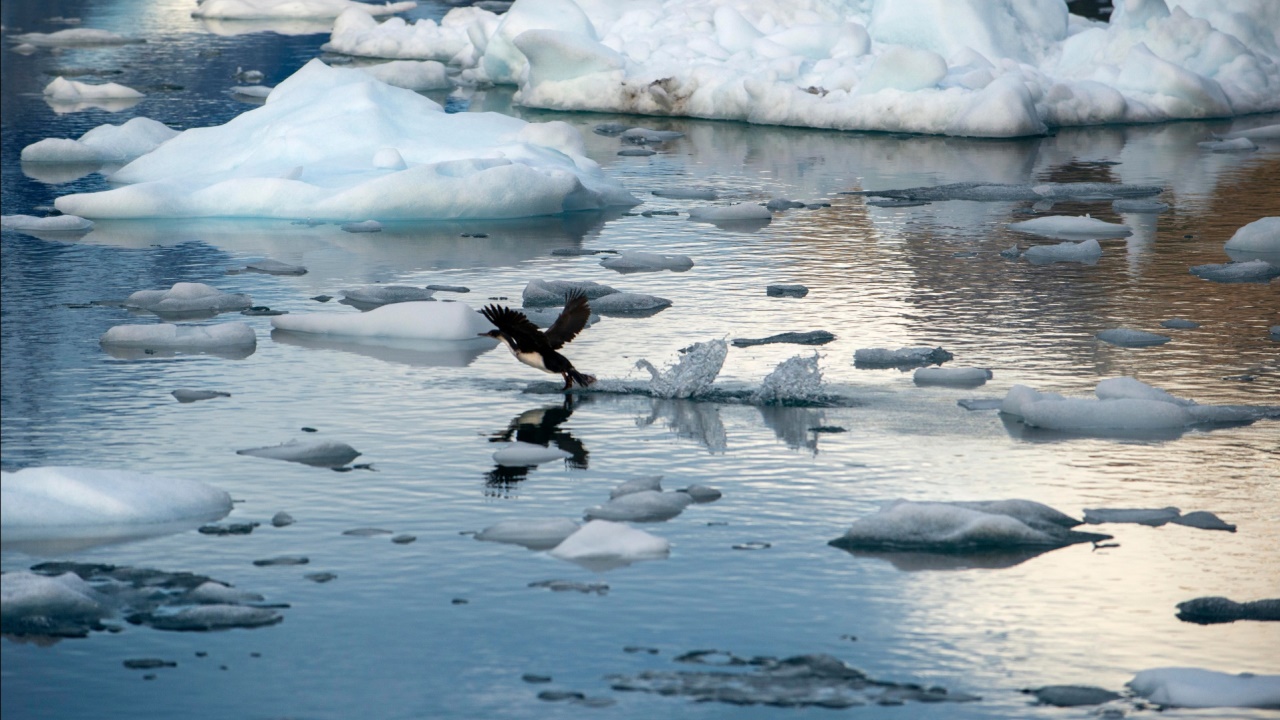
50 224
185 297
1071 227
1200 688
603 544
533 533
321 453
191 338
356 32
954 377
634 261
42 503
1085 251
336 120
416 75
691 374
1262 236
641 506
523 454
406 320
962 527
72 91
1128 337
272 9
105 143
730 213
902 357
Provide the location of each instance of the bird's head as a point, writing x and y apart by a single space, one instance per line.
492 333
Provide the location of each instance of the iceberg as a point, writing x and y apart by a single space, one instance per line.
310 150
452 321
535 534
272 9
187 297
1069 227
105 143
1199 688
78 503
603 545
71 91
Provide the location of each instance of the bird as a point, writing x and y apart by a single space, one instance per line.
536 348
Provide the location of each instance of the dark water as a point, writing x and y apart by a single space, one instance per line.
385 638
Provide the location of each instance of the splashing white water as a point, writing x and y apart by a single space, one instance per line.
692 374
796 380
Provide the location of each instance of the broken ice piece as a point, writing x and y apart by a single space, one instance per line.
185 395
522 454
319 454
1125 337
907 356
795 291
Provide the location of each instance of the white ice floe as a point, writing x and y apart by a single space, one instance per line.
534 533
543 293
273 9
649 482
50 224
691 374
1258 236
1127 337
633 261
252 92
187 297
641 506
321 453
1085 251
71 91
105 143
1199 688
309 152
387 294
522 454
604 544
962 527
211 592
626 303
43 503
994 69
74 37
954 377
197 338
1071 227
1240 144
730 213
902 357
417 75
1234 272
406 320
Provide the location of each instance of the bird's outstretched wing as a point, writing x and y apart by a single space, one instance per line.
515 325
571 321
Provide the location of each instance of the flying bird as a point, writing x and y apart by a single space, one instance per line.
536 348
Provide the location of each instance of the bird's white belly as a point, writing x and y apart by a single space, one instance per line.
532 359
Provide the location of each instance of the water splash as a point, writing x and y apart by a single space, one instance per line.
797 381
692 374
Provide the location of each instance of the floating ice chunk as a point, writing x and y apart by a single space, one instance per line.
954 377
1194 687
50 224
185 395
1128 387
63 90
651 482
730 213
1020 396
187 298
279 9
686 193
544 293
535 534
1000 192
34 604
626 303
813 337
42 503
215 593
522 454
275 267
1126 337
1082 415
322 453
633 261
1252 271
1086 251
1072 695
1139 206
641 506
1179 324
253 92
1240 144
417 75
702 493
379 295
1212 610
408 320
75 37
355 32
1035 514
364 226
646 136
1261 236
604 544
795 381
951 527
777 204
203 618
1204 520
191 338
902 357
796 291
692 374
1153 517
1071 227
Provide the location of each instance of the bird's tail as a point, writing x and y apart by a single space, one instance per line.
581 379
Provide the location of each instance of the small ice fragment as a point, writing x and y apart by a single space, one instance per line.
1071 227
611 129
1179 324
953 377
454 321
1240 144
630 261
1152 518
1072 695
902 357
535 534
1258 271
320 453
75 37
981 403
636 152
959 527
187 297
379 295
250 77
651 482
687 194
777 204
367 226
1197 688
703 493
1091 416
320 577
546 293
63 90
730 213
275 267
645 136
522 454
365 532
605 544
598 588
255 92
1204 520
1011 252
282 519
449 288
795 291
1086 251
196 338
813 337
186 395
1261 236
282 560
642 506
53 223
1125 337
625 303
210 617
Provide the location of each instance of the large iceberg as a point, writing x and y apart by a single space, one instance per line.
317 149
997 68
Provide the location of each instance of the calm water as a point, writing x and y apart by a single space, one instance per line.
385 638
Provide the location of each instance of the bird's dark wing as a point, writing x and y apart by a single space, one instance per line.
571 321
514 324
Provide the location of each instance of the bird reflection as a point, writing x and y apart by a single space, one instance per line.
540 426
